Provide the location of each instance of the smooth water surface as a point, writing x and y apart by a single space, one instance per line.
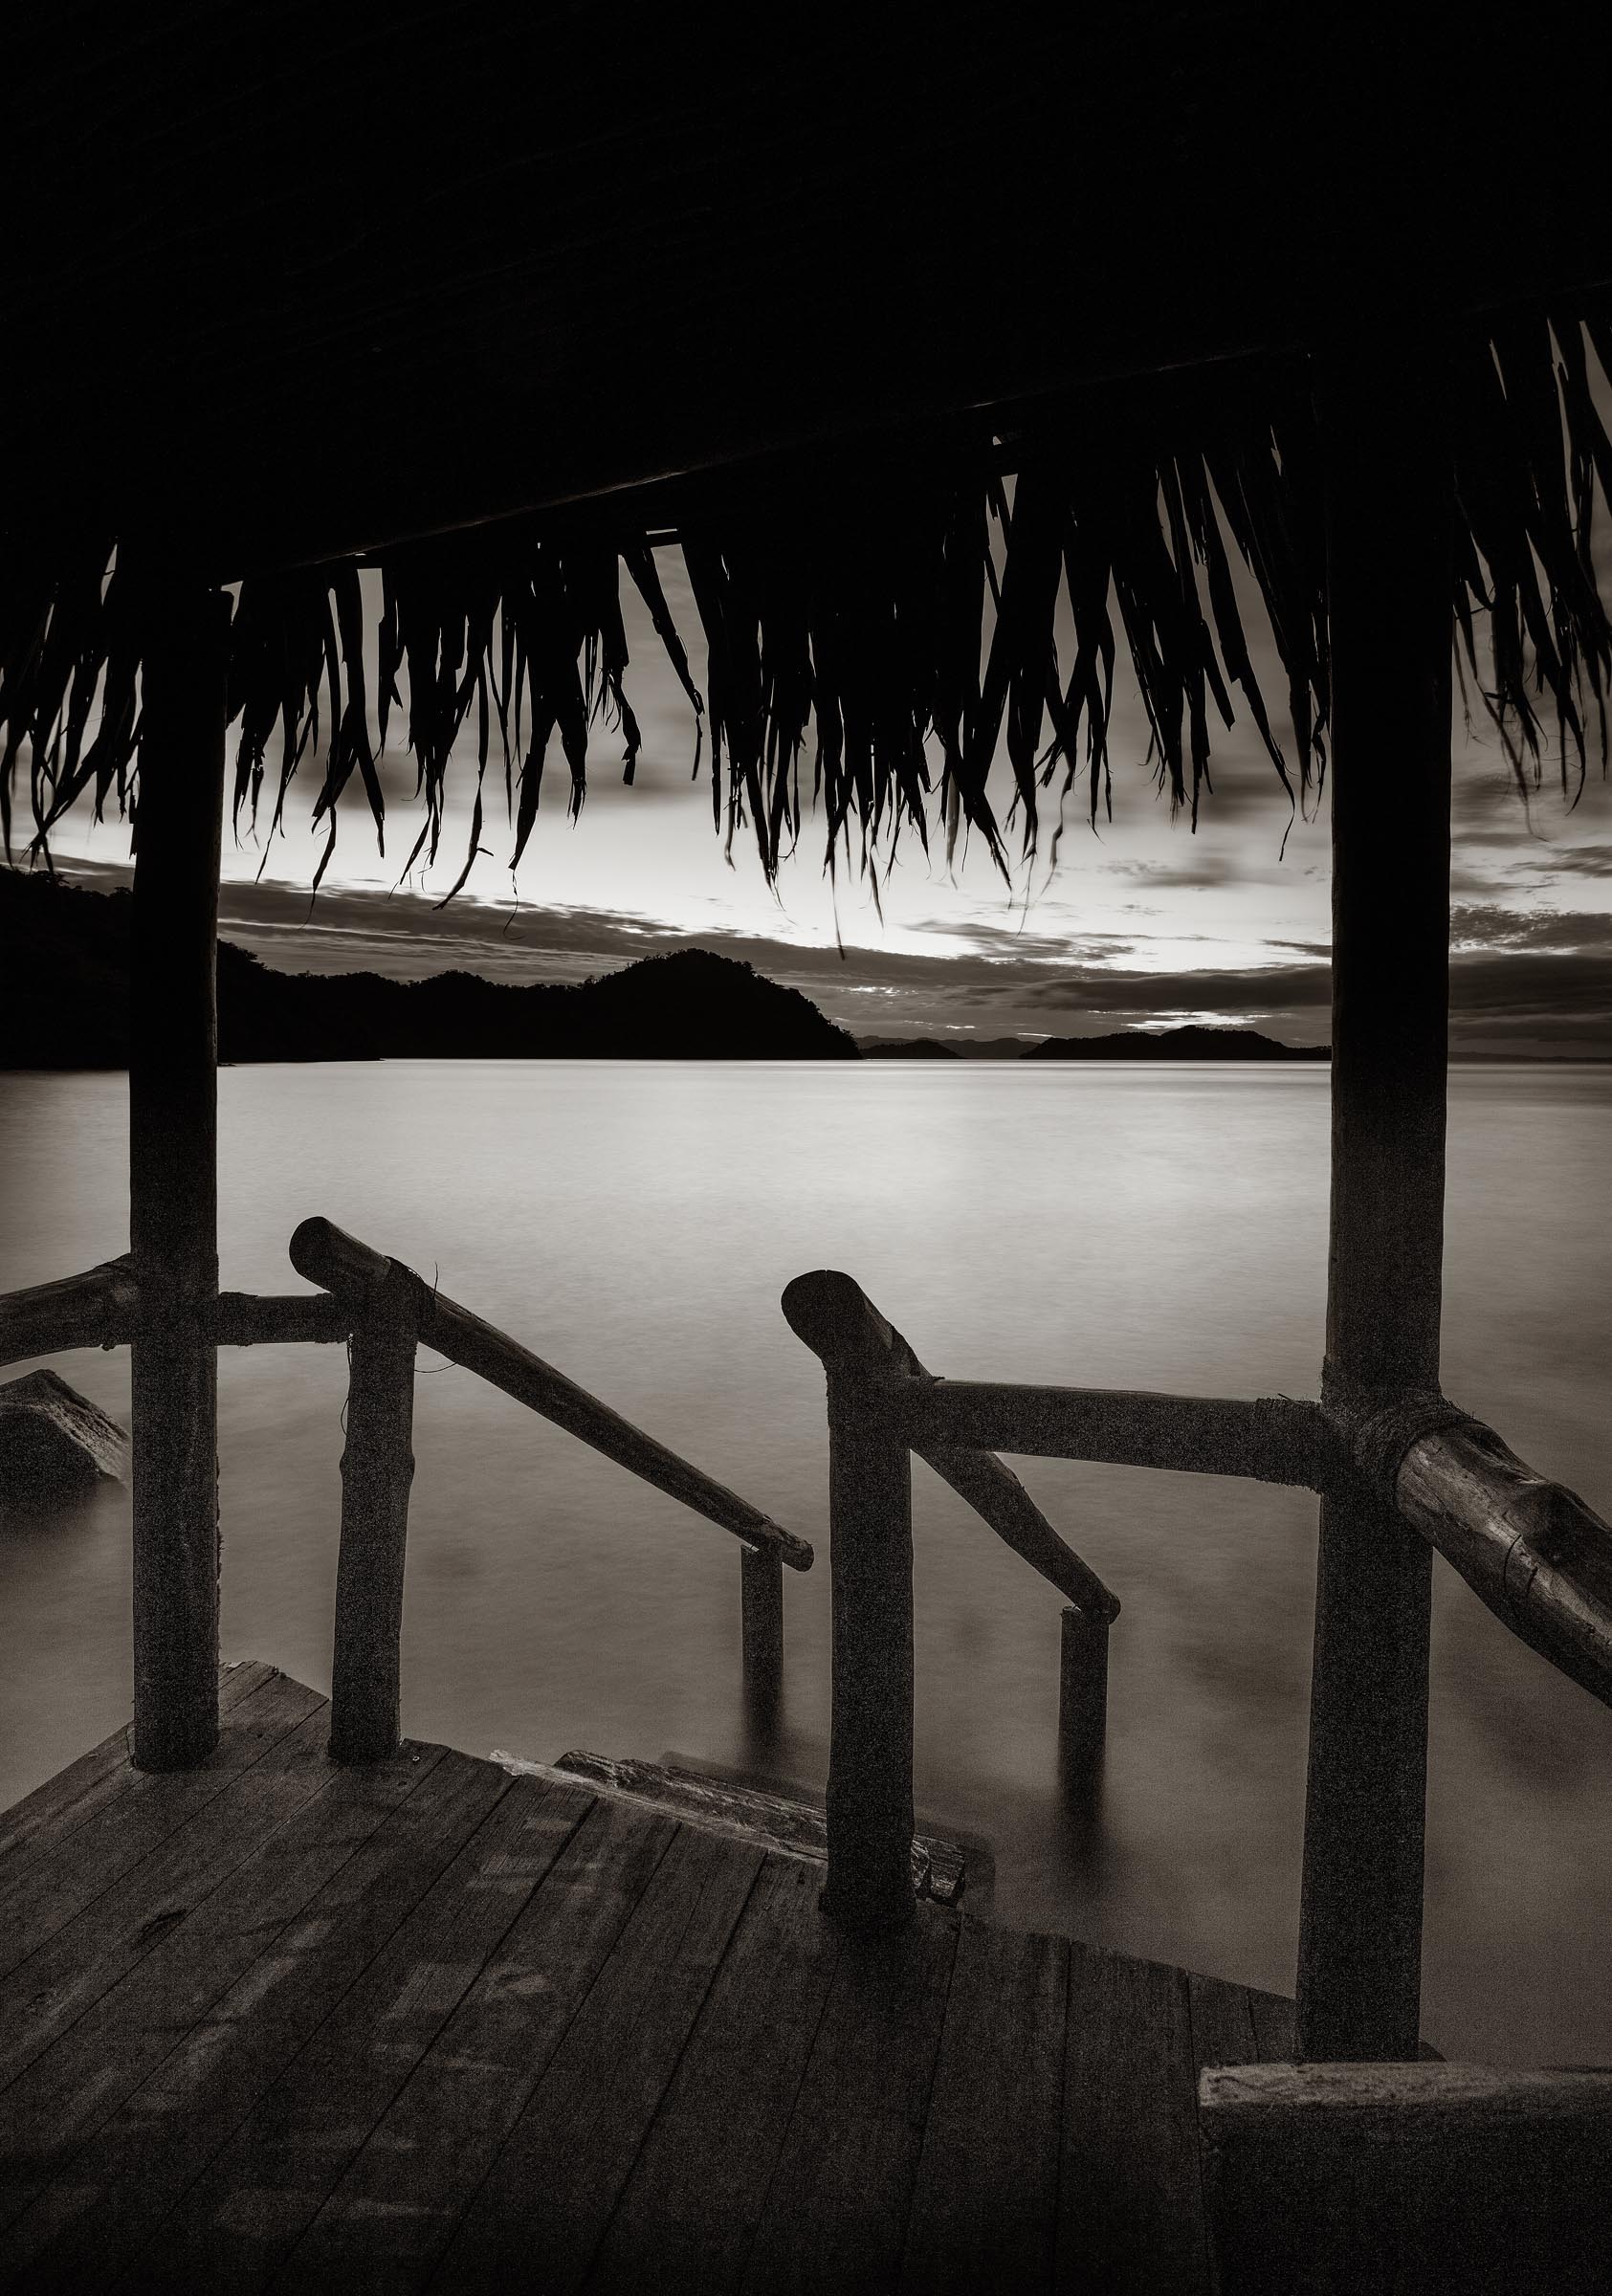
1118 1226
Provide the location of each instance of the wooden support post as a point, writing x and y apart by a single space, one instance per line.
1359 1947
1384 426
760 1595
376 1469
174 1188
869 1800
1082 1697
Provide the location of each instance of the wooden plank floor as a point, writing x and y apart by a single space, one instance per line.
275 2024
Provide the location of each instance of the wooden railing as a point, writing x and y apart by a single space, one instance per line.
392 1311
1402 1463
384 1311
1532 1550
872 1369
100 1308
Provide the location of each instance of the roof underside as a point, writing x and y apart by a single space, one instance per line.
281 284
301 280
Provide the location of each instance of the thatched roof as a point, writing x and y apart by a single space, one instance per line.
895 337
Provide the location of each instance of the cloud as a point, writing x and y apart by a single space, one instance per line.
1018 944
1562 932
1511 990
1192 872
1142 995
1486 985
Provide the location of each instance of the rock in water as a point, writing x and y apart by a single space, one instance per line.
54 1443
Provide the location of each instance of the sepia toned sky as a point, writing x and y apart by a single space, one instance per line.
1143 922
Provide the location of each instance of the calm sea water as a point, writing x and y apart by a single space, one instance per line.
1149 1227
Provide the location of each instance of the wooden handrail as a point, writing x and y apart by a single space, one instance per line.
280 1319
102 1309
354 1273
1270 1439
1530 1549
96 1309
833 1316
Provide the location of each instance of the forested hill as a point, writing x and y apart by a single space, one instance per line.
65 958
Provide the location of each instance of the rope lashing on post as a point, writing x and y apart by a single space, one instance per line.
1380 1429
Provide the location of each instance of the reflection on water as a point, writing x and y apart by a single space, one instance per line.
1159 1227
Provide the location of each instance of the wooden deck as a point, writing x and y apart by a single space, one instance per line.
276 2022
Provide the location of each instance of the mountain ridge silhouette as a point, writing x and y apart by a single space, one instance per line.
65 954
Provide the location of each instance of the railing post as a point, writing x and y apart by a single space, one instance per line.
870 1802
376 1469
760 1595
1386 432
1082 1697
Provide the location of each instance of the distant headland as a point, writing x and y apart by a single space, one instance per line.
1191 1043
65 952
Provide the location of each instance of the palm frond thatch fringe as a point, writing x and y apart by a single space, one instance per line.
852 617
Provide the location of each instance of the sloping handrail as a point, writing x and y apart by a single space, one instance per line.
356 1274
391 1309
832 1315
100 1308
384 1309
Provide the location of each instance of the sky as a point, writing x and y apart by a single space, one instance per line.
1142 923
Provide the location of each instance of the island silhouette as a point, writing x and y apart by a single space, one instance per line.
1190 1043
66 953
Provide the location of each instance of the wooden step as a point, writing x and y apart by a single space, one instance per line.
770 1821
